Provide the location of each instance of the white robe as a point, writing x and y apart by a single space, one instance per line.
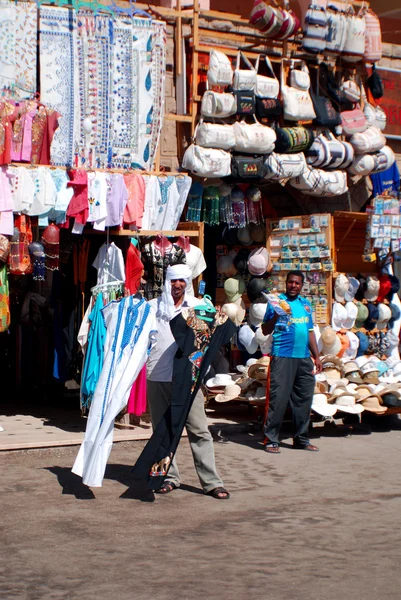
120 369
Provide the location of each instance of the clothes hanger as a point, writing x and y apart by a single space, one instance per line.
206 311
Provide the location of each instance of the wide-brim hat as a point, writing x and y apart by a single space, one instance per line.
246 339
229 235
333 349
258 395
372 404
258 233
244 236
219 380
225 265
332 366
259 369
241 260
230 393
391 399
347 403
321 406
255 288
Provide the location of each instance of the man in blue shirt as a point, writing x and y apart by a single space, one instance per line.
291 367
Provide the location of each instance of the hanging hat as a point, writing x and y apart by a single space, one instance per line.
265 341
259 369
363 343
257 313
231 310
234 287
352 351
352 313
372 288
372 404
331 366
341 286
395 315
237 195
362 315
258 233
259 262
244 236
241 260
329 342
385 287
225 265
395 287
229 235
225 190
36 249
230 393
51 234
253 193
384 315
255 287
373 316
246 339
360 293
339 316
353 285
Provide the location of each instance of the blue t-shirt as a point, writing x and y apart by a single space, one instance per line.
386 180
292 342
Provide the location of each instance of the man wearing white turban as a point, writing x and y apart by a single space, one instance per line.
159 377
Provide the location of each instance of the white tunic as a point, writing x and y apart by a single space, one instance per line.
131 325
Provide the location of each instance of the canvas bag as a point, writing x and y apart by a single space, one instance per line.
244 79
354 47
266 87
245 103
213 135
297 104
375 116
349 155
207 162
318 155
284 166
290 25
254 138
353 121
247 167
315 29
337 152
220 71
373 37
326 114
293 139
261 15
218 104
276 22
316 182
337 30
384 159
370 140
351 90
363 165
299 78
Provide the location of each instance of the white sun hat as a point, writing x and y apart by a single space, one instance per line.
322 407
347 403
230 393
220 380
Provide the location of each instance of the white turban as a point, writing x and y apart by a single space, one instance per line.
166 308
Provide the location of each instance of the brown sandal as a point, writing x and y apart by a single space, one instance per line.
167 487
216 493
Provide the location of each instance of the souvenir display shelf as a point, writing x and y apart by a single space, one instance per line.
299 237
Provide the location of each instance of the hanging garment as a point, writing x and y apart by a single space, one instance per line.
116 200
94 354
167 204
97 199
152 200
137 398
8 114
195 195
79 204
133 269
6 203
59 77
196 262
20 258
155 265
7 43
198 343
130 324
183 186
4 299
109 263
64 196
45 192
134 208
52 123
38 131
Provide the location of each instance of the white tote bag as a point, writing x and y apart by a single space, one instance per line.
299 78
254 138
218 104
266 87
284 166
220 71
297 104
244 79
207 162
337 34
215 135
354 47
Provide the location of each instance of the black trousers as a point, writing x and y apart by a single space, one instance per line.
291 380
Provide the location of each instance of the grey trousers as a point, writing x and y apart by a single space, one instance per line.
199 436
291 380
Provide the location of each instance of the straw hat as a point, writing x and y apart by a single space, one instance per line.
347 403
372 404
332 366
321 406
230 393
329 342
259 369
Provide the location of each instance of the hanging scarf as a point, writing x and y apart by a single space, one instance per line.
166 308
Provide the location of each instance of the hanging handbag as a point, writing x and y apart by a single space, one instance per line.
299 78
371 140
218 104
337 30
316 182
362 165
375 116
293 139
244 79
213 135
326 114
375 84
247 167
284 166
253 138
373 37
351 90
268 108
354 47
328 83
353 121
384 159
245 103
315 29
290 25
297 104
207 162
220 71
266 87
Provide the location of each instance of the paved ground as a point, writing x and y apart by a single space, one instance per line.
299 526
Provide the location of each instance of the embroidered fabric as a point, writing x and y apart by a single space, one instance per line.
155 266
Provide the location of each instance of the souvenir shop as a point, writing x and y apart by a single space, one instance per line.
88 214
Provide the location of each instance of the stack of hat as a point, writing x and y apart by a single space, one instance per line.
259 370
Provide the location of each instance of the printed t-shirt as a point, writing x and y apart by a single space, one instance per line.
294 341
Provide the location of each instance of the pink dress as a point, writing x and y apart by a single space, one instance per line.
137 398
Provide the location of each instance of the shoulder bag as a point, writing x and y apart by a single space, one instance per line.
375 116
207 162
218 104
337 29
373 37
370 140
354 47
384 159
375 84
244 79
293 139
220 71
363 164
299 78
297 104
268 108
214 135
284 166
253 138
247 167
318 155
316 182
315 29
351 90
353 121
266 87
326 114
245 103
